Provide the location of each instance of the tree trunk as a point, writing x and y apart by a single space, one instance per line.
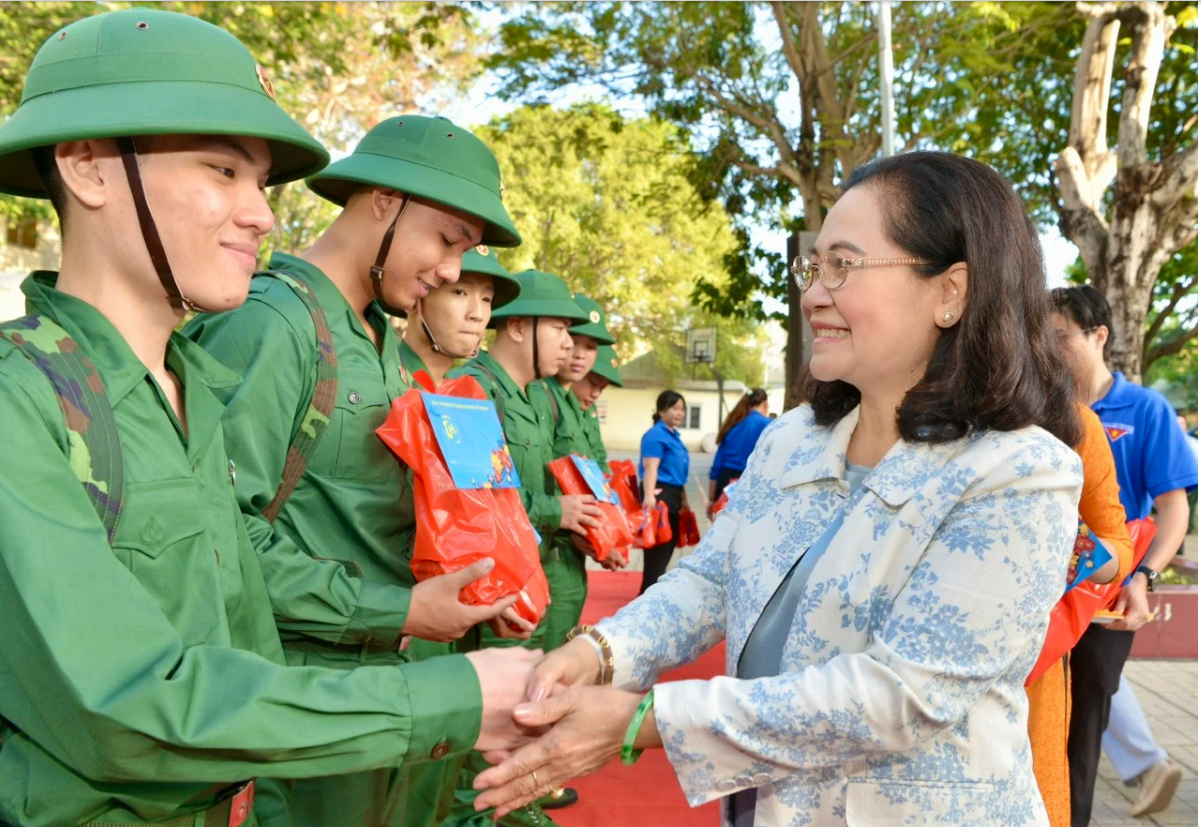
1154 204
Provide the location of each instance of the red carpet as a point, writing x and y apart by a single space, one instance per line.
646 794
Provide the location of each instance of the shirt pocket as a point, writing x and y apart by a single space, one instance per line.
162 540
356 452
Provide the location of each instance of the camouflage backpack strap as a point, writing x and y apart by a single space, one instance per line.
95 447
320 407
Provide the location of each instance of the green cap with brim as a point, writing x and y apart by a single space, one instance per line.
595 326
430 158
147 72
542 294
482 259
608 366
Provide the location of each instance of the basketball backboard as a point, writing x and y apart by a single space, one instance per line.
701 347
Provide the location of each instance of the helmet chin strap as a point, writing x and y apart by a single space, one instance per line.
437 348
381 258
154 243
537 366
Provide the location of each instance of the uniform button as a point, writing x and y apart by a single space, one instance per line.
440 751
354 398
367 639
527 442
725 786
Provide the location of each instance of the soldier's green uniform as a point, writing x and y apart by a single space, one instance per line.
354 502
560 407
607 366
529 434
141 674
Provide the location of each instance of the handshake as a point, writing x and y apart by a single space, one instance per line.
546 722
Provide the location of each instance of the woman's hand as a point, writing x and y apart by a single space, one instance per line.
573 664
648 501
511 626
588 726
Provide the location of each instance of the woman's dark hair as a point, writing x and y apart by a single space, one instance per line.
999 368
667 399
1085 305
751 399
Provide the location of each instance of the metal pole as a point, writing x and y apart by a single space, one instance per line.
886 76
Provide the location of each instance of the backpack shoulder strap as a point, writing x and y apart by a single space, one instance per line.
498 400
554 403
95 447
321 405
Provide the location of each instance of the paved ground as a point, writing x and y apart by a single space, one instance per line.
1167 690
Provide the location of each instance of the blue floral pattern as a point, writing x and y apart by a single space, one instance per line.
900 698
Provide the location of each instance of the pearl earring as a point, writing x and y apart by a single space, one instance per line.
948 316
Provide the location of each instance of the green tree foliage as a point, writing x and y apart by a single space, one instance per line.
606 203
782 99
337 67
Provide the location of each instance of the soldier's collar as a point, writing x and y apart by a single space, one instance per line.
101 342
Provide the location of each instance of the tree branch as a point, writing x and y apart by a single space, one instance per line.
1090 102
1180 177
1179 291
786 34
1168 348
1148 29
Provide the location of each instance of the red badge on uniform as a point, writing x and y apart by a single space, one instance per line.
1116 432
241 805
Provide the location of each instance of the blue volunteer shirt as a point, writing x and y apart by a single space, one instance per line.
664 444
736 448
1150 449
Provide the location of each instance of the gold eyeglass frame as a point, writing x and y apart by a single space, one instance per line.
802 268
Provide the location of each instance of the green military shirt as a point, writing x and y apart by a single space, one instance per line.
592 435
411 361
527 433
562 410
137 681
354 502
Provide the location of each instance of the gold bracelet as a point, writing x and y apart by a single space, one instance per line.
603 650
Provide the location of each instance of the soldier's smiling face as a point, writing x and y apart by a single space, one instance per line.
427 250
207 197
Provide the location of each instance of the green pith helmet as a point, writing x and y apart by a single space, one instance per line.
429 158
542 295
595 326
607 365
147 72
482 259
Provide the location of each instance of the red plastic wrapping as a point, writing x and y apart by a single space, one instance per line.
663 526
631 504
690 533
614 533
1074 611
457 527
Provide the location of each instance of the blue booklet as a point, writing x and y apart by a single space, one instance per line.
472 442
592 475
1088 556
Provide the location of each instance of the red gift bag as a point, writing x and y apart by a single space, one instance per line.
690 533
624 470
1075 610
630 504
614 533
646 530
663 526
456 526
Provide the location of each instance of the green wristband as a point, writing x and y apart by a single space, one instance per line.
628 754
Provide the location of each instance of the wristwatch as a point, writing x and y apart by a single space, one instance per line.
1151 574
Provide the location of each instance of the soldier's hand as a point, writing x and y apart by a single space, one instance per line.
580 512
435 612
504 675
503 626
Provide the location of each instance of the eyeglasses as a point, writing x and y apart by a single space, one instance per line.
831 269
